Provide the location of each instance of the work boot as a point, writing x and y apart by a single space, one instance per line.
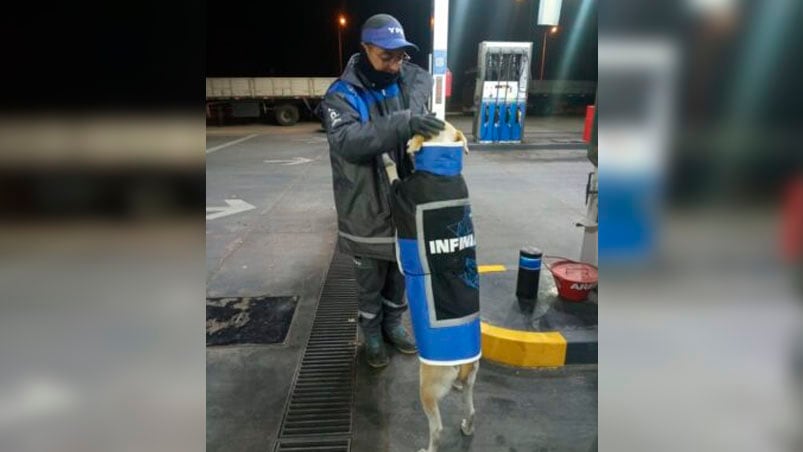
375 353
397 335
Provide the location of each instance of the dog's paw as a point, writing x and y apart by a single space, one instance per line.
466 427
457 386
422 450
462 138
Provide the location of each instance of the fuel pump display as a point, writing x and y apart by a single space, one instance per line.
501 91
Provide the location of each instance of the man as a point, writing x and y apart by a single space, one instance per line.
375 106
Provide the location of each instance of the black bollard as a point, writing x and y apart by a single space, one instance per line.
527 280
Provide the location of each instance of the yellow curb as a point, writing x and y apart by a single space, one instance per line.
491 268
522 348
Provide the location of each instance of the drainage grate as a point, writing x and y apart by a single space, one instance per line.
338 445
319 410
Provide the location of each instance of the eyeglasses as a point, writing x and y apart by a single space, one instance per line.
390 57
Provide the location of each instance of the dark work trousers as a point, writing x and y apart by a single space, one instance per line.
380 293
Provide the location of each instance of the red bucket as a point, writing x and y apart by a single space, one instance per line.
574 279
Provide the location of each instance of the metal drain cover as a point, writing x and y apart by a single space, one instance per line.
336 445
318 415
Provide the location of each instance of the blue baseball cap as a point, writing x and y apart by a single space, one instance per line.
383 30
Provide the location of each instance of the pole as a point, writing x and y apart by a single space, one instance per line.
589 248
543 55
340 49
440 41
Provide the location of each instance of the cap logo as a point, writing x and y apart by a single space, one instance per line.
397 30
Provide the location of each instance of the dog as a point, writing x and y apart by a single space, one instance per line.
436 380
450 134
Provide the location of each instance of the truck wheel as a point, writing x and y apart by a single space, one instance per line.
286 114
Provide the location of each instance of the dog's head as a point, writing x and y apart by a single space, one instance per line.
441 154
450 134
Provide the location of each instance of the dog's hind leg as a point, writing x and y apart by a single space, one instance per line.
463 372
435 382
435 424
467 424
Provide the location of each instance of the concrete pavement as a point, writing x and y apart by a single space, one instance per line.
283 245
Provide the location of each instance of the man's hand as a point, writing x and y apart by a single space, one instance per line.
426 125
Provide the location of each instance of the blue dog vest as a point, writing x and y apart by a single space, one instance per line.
437 255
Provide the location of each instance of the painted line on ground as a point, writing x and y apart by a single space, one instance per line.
230 143
491 268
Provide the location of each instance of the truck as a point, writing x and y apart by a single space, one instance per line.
282 99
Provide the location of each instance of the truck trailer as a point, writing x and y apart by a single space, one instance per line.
280 98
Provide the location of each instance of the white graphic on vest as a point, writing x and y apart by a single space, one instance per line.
334 117
451 245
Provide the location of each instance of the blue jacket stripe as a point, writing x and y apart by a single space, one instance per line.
352 97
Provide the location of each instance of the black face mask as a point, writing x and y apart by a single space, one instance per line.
376 79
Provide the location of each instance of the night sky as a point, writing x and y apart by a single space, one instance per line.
299 38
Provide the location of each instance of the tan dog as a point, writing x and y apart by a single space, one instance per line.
448 135
436 381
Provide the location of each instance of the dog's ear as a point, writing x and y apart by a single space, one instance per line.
462 138
415 144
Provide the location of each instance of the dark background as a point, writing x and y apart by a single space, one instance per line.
246 39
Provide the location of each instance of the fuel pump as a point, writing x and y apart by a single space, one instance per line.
501 92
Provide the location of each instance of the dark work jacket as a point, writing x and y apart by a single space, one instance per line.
362 123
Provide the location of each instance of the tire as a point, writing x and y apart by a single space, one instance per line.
286 114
